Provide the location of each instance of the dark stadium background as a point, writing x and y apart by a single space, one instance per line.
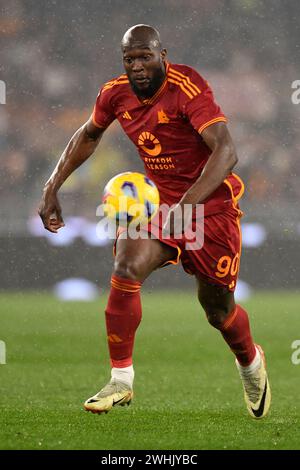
54 56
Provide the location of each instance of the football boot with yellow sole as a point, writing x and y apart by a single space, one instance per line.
257 392
114 393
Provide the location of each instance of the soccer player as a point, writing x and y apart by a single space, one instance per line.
169 112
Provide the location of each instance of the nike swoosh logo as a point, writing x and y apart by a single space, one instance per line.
257 413
93 400
118 401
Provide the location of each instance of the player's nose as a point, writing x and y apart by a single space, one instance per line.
137 66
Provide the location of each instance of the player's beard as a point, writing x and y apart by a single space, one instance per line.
153 86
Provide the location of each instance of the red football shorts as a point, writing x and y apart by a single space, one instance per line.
217 260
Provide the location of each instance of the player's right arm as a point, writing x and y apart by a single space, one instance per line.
79 149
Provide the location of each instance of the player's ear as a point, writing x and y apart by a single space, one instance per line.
163 54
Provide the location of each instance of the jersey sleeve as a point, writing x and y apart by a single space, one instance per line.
103 114
202 110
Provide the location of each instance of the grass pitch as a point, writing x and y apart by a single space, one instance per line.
187 391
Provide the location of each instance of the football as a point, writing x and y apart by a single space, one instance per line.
130 198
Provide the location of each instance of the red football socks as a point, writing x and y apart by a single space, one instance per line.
123 315
236 332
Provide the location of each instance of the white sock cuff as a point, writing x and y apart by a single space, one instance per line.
124 374
254 364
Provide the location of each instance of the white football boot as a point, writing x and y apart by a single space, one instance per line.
257 392
114 393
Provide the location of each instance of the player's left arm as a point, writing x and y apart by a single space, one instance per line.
220 163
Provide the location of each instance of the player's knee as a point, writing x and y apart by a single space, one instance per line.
128 269
216 314
217 306
216 317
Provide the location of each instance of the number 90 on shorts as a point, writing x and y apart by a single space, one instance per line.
227 265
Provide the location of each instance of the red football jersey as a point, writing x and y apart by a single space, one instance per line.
166 130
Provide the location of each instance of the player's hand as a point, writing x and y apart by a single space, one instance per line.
50 212
178 219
